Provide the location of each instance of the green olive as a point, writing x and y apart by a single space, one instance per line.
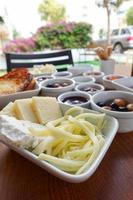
120 102
130 107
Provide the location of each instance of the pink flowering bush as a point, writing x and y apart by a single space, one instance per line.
63 35
20 45
53 36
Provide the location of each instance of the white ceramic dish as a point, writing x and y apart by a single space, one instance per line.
39 79
79 69
55 92
98 77
125 84
83 86
83 79
109 132
125 119
75 94
108 84
63 74
5 99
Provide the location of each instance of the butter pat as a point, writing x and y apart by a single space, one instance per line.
24 111
46 109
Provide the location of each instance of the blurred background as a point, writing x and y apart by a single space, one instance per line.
44 25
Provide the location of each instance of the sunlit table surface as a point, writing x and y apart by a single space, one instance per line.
20 179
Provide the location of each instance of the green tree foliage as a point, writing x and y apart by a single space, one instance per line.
15 33
63 35
1 20
129 16
54 36
52 11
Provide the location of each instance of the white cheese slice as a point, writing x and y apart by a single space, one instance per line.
24 111
46 109
8 110
13 131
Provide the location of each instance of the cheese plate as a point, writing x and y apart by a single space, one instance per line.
109 131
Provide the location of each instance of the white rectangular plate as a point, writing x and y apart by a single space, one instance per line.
109 131
124 84
5 99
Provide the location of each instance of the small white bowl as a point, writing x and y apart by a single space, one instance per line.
51 91
125 119
108 84
83 79
63 74
125 84
79 69
73 94
39 79
95 74
83 86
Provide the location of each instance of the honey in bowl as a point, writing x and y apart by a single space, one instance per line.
113 77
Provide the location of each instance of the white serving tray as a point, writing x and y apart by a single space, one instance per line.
109 132
123 84
5 99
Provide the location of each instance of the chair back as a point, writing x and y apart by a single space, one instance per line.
28 60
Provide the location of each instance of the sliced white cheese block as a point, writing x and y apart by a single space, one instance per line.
46 109
24 111
8 110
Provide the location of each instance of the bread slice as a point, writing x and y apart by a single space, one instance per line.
31 85
15 81
8 86
17 73
24 111
46 109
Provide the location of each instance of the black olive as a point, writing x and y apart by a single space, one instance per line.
114 106
101 104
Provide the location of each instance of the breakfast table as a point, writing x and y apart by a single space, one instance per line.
20 179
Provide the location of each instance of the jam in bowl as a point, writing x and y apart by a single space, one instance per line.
95 74
75 98
57 86
43 78
65 74
90 88
83 79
